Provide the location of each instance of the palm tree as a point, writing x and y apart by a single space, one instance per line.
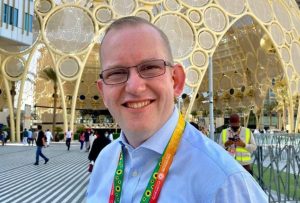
49 74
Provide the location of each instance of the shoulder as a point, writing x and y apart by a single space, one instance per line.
207 154
108 156
246 130
242 181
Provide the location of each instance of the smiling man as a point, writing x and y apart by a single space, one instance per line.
159 157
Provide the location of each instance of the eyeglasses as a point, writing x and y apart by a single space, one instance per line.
148 69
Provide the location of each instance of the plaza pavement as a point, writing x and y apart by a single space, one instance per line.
63 179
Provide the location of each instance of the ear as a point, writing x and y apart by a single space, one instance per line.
100 90
179 79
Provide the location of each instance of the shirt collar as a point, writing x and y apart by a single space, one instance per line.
158 141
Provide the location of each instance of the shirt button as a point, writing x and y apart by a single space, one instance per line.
135 173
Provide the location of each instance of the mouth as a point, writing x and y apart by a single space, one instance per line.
137 105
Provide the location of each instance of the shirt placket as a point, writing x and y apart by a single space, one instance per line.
131 177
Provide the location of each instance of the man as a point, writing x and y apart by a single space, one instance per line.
158 156
68 135
87 139
5 137
48 136
239 142
98 144
35 135
40 143
25 136
30 137
2 137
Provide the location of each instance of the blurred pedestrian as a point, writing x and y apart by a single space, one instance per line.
48 136
239 142
25 136
195 125
87 139
92 137
34 136
5 137
81 139
30 137
99 143
2 137
40 143
68 136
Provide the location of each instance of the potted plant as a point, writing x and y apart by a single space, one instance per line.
57 131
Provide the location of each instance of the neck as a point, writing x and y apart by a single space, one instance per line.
136 140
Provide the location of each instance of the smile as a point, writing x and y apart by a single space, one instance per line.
137 105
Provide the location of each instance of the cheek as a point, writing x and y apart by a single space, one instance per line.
110 98
106 97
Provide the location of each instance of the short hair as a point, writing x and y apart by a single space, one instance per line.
135 21
195 125
39 127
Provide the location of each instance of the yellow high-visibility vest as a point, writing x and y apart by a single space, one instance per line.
243 154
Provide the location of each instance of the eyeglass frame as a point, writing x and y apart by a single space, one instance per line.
165 63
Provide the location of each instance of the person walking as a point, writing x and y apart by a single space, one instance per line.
25 136
87 139
40 143
68 136
35 135
91 139
159 157
2 137
48 136
30 137
99 143
81 139
239 142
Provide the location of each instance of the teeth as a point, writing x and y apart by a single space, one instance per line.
138 105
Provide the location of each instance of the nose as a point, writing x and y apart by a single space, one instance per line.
135 84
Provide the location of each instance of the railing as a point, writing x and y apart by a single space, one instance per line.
276 166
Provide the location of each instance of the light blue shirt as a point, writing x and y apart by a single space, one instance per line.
29 134
201 171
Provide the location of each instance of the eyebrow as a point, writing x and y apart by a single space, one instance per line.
124 66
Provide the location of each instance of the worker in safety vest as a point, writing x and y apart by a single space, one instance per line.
239 142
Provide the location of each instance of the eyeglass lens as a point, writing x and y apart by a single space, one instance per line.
148 69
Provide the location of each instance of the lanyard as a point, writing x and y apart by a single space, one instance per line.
159 174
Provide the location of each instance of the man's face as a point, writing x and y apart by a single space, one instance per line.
140 106
235 126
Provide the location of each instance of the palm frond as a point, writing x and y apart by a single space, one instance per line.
49 74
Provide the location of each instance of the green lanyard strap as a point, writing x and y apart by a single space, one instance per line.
162 167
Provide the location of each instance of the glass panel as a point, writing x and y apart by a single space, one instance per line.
26 21
30 23
6 13
16 17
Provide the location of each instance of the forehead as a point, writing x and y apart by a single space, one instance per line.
130 43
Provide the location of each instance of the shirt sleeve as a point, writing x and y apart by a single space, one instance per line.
221 140
251 147
242 188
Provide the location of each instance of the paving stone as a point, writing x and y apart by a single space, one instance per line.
63 179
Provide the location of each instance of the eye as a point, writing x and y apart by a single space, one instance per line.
149 67
115 73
